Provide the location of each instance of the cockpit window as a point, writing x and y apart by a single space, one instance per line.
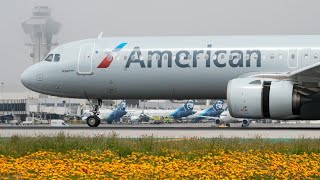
49 58
56 57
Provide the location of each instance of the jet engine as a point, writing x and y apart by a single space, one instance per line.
257 99
245 123
218 122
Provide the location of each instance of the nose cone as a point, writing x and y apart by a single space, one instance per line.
27 78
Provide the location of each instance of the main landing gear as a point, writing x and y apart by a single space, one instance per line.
94 120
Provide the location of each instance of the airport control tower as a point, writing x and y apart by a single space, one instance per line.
41 28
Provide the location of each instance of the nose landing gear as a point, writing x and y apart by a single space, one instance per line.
94 120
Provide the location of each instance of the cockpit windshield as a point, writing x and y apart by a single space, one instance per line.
49 57
56 57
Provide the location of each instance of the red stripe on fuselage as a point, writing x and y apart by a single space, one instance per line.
106 61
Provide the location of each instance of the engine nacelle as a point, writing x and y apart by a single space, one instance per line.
257 99
245 123
218 122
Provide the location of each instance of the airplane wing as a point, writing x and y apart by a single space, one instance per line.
307 74
203 117
209 117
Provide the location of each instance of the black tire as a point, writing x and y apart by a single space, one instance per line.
93 121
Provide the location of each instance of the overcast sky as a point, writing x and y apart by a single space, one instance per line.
82 19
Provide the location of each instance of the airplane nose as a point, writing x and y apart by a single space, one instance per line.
26 78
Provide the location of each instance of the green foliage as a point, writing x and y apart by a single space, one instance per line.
18 145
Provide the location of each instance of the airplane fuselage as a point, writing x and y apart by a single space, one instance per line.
166 67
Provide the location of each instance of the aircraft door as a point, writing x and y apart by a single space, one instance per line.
85 59
293 58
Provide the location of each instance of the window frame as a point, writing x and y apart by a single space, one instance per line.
49 55
54 58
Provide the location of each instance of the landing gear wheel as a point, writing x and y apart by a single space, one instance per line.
93 121
228 124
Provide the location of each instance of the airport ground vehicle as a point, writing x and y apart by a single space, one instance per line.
28 121
164 119
14 122
58 122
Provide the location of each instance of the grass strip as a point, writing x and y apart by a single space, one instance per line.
17 146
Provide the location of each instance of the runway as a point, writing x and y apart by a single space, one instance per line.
170 131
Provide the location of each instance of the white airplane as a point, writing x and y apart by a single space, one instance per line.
227 119
274 77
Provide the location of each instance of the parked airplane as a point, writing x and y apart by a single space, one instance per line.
227 119
6 118
106 114
211 113
182 112
273 77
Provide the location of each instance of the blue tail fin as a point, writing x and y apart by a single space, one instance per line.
188 106
218 105
122 106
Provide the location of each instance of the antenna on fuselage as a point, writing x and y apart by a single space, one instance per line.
100 35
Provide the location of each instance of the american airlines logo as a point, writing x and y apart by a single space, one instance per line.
186 58
110 56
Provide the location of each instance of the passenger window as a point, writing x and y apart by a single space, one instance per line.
56 57
306 56
214 57
49 58
293 56
271 56
316 56
280 56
